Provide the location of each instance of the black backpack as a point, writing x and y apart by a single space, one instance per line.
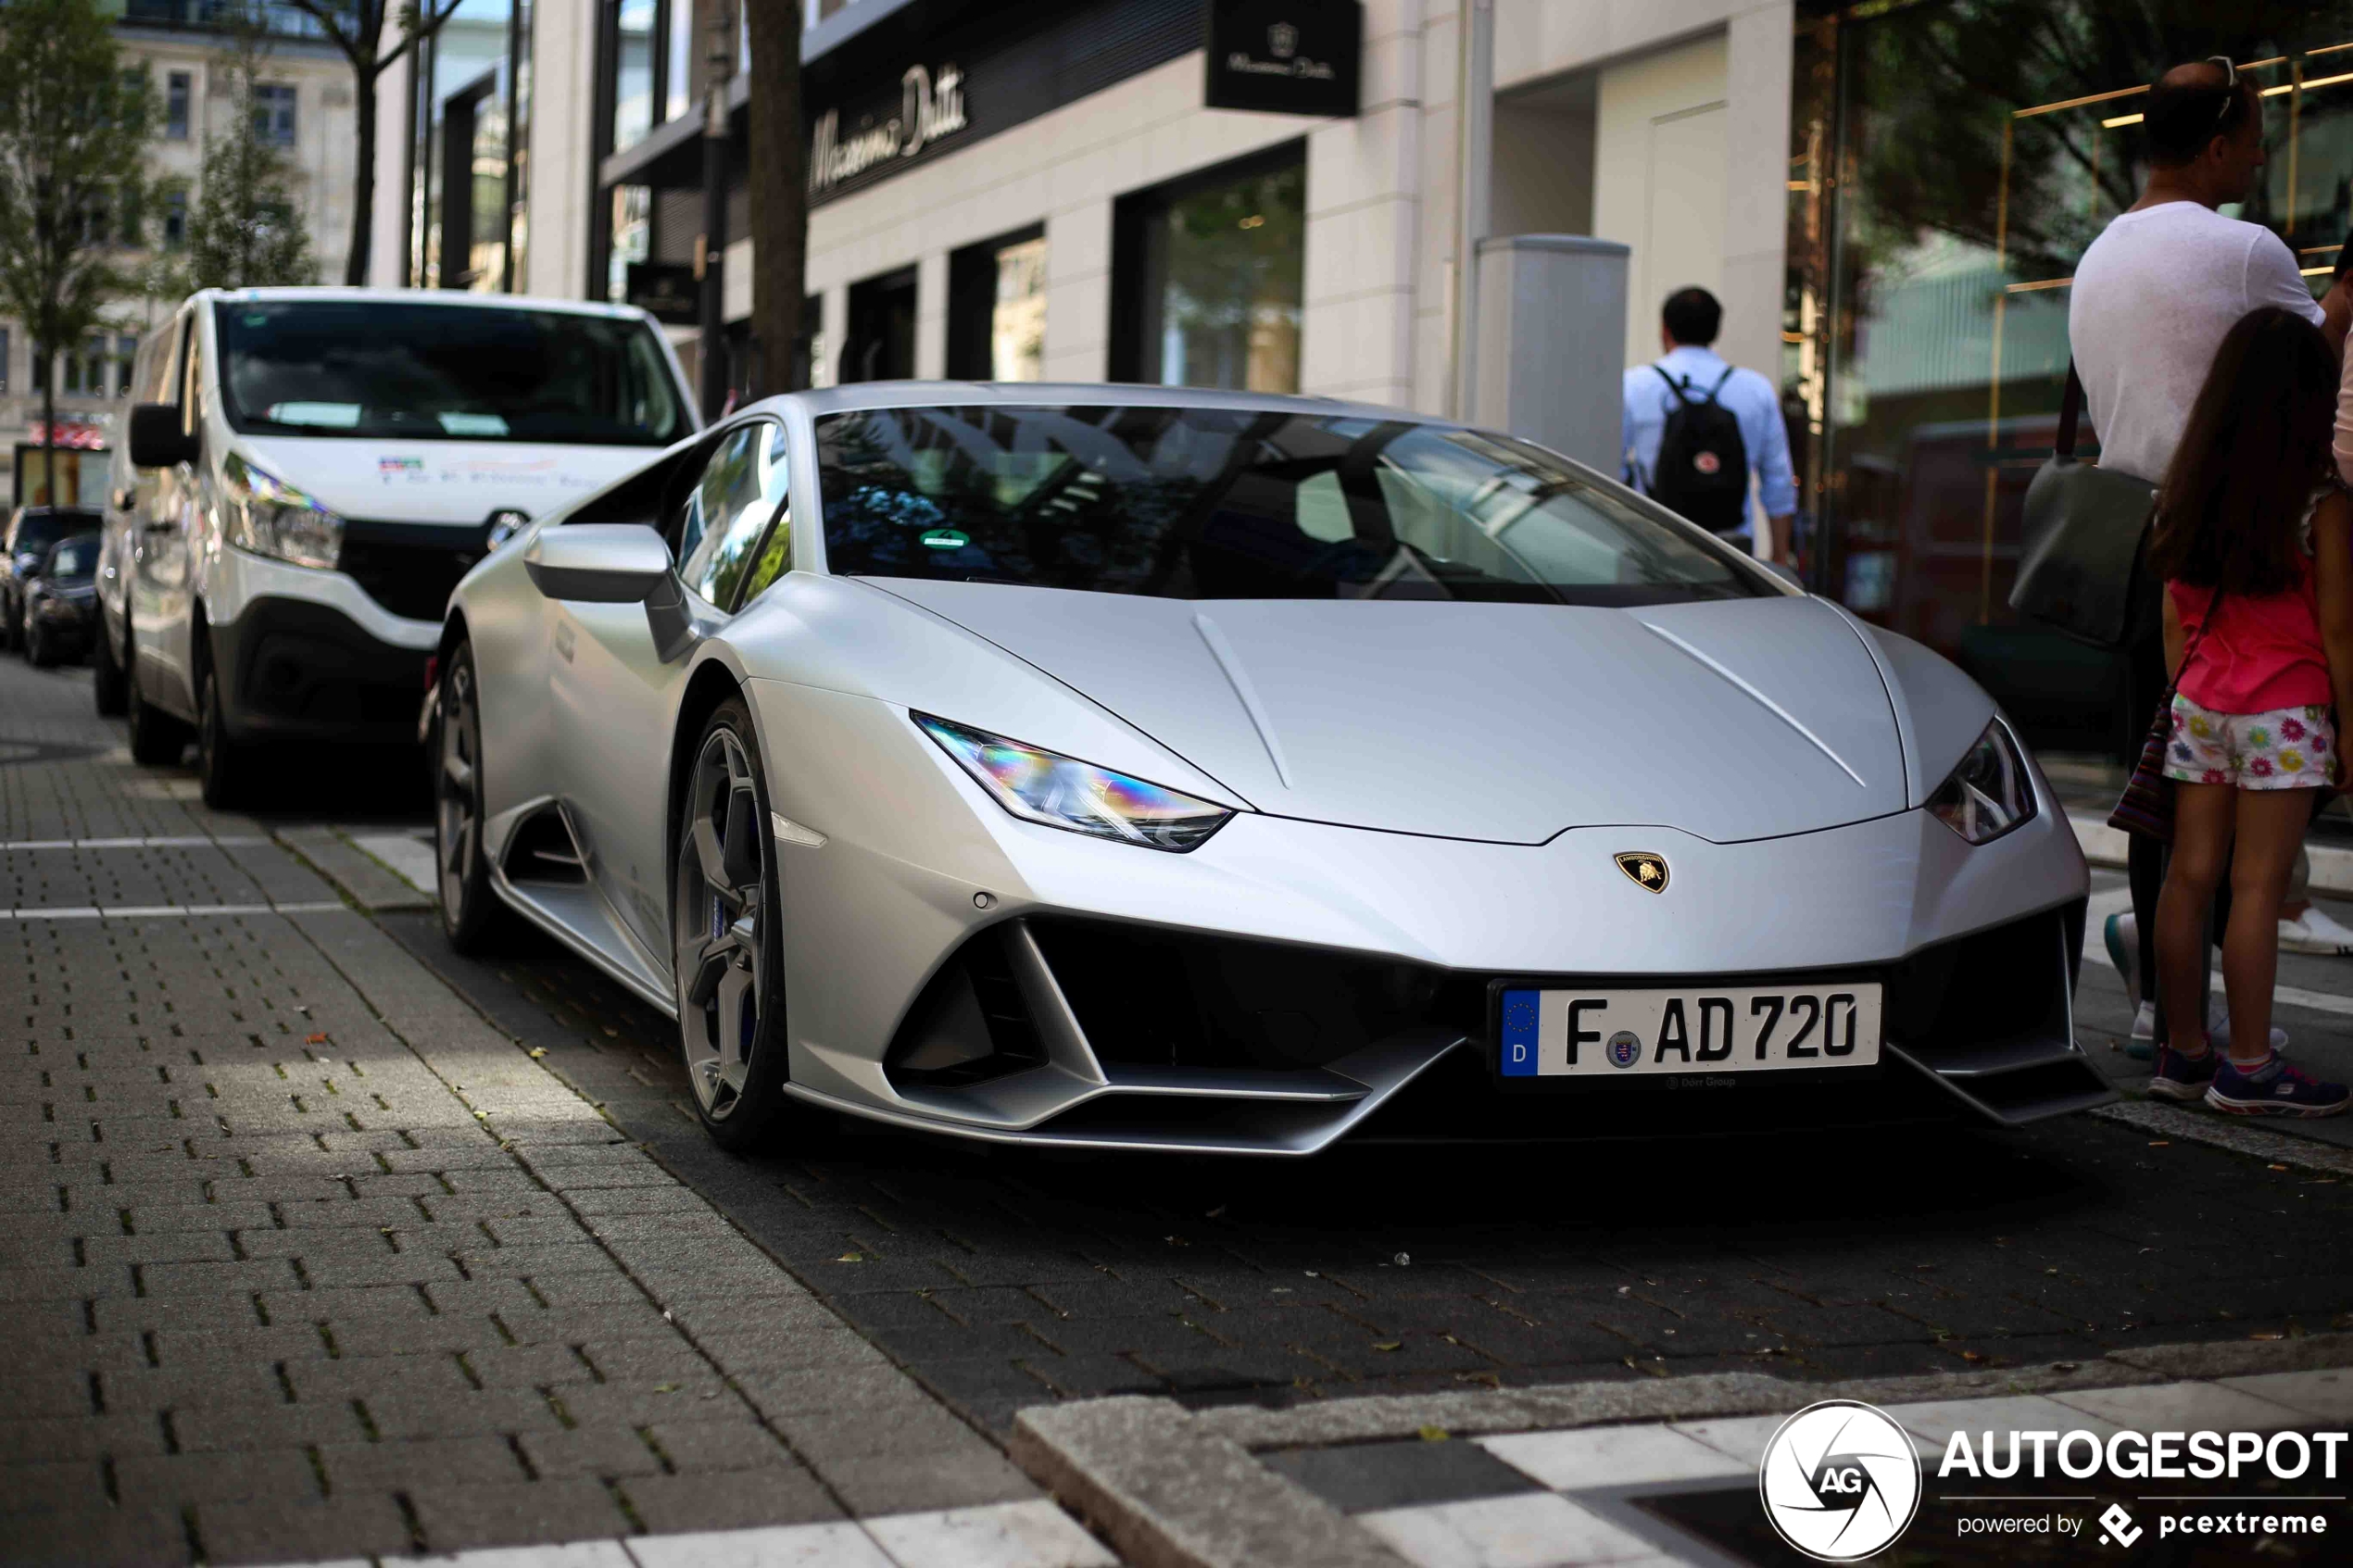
1702 464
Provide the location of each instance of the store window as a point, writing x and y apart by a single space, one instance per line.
880 340
997 309
175 217
1208 276
1940 195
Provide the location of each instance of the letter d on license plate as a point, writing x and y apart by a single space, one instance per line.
1544 1033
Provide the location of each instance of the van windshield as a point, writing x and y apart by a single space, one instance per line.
444 372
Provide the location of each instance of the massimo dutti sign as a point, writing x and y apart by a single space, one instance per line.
1285 57
931 108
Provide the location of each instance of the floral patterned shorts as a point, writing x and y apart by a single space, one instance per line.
2288 748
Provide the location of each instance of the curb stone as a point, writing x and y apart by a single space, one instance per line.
1169 1486
1169 1493
2221 1132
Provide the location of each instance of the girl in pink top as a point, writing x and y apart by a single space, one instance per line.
2255 542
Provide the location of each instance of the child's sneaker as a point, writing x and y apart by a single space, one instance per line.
2183 1077
2273 1089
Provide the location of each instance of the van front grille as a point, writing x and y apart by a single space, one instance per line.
409 568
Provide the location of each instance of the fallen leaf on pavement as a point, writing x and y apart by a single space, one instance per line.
1434 1434
322 1039
2267 1333
536 1052
1399 1344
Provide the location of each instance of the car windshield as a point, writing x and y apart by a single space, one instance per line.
1216 504
75 558
37 531
445 372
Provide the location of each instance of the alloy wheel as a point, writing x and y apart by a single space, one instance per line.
717 914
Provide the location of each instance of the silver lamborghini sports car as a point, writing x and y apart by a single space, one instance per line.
1139 768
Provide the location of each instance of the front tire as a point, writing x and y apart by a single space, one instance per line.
727 941
157 738
224 765
37 651
107 688
472 916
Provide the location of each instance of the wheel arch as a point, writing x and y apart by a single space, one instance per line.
712 682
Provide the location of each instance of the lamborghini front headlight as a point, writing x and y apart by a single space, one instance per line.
1055 791
1990 791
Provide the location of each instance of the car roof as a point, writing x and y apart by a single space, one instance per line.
1086 394
450 299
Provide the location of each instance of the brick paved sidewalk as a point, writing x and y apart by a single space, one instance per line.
305 1261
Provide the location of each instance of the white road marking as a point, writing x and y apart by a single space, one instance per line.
175 841
164 911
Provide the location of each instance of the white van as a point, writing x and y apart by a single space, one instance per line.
308 473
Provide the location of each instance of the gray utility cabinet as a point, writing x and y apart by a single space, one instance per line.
1552 343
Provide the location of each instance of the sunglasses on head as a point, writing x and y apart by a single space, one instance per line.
2230 87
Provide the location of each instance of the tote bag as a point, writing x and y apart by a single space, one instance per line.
2080 570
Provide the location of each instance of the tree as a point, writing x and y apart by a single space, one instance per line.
357 27
777 171
74 136
245 231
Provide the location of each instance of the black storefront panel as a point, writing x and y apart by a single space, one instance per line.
1285 57
879 108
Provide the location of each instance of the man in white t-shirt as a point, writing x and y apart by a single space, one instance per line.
2153 298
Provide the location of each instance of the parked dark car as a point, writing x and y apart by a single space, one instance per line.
31 530
61 602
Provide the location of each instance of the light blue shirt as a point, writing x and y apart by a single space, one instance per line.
1751 400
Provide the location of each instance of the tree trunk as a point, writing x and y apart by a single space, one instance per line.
777 169
363 185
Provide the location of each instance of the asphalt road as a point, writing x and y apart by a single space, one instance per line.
1003 1278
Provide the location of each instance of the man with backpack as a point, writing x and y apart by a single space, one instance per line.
1696 429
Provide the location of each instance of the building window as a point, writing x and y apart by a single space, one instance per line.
132 233
126 353
471 190
997 309
175 218
4 359
273 113
177 88
633 97
1208 275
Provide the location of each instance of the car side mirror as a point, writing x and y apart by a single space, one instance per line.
159 438
614 563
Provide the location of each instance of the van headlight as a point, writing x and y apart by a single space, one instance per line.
1989 791
264 515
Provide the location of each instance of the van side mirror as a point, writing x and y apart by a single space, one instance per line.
158 437
614 563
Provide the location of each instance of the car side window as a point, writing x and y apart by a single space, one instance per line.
739 492
776 551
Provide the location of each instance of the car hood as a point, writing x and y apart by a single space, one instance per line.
1731 719
464 482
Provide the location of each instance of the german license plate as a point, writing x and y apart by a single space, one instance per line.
1546 1033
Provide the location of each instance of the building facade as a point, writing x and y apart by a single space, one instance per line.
303 96
1887 198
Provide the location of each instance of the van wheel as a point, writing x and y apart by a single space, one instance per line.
224 766
107 688
157 738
